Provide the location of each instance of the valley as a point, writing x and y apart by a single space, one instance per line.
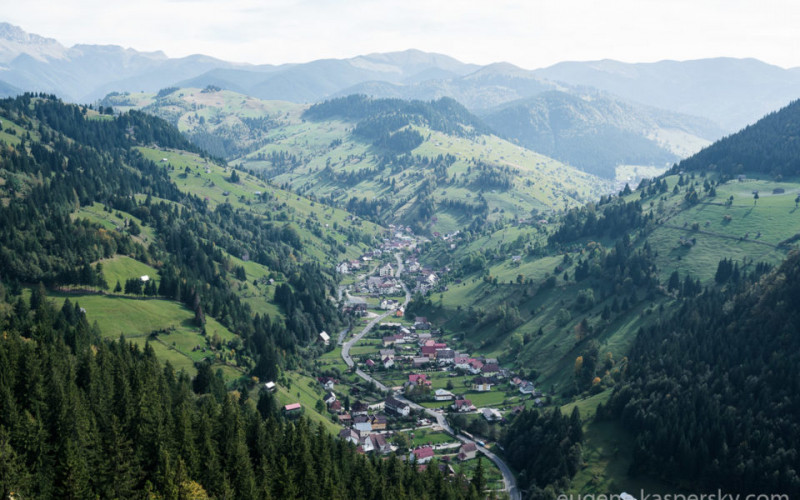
394 276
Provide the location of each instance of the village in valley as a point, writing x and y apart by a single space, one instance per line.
396 383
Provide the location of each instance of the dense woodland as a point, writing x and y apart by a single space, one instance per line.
546 450
712 392
768 147
81 417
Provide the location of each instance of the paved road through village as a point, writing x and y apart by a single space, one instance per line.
508 477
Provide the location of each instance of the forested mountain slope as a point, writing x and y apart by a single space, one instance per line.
768 147
597 132
90 200
732 92
83 417
711 392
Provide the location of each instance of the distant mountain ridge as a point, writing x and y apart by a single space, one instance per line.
519 103
732 92
596 132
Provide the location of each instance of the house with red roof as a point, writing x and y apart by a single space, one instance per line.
423 454
293 409
462 405
419 379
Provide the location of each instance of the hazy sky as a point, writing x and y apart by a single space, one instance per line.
528 33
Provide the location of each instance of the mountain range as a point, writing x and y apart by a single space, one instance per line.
572 111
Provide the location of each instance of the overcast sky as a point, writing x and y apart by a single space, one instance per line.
528 33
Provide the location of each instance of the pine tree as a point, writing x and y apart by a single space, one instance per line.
478 479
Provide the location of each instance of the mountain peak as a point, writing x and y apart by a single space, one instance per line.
15 41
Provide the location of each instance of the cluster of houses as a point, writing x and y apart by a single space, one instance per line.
367 431
348 266
379 286
425 278
401 238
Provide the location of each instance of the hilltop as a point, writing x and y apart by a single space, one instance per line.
432 165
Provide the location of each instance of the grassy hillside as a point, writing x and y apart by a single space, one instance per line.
324 158
542 335
328 234
215 243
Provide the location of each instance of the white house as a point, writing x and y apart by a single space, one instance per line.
386 271
366 443
423 454
467 451
443 395
324 337
462 405
397 407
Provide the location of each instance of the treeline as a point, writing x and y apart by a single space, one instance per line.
711 392
123 132
545 449
85 418
372 209
612 219
444 115
386 131
492 177
769 147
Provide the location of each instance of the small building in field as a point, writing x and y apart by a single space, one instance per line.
443 395
292 410
324 337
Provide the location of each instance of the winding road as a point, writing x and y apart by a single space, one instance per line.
509 480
